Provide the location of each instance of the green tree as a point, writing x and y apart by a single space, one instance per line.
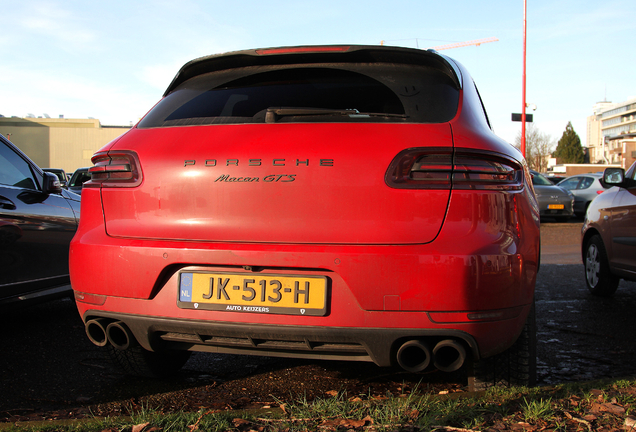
569 149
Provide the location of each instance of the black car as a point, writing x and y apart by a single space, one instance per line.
37 222
79 177
555 179
60 173
554 202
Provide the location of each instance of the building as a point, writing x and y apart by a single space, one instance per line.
59 142
611 133
567 170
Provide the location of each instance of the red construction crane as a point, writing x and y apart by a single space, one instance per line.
462 44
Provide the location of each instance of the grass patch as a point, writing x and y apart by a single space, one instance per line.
536 410
571 407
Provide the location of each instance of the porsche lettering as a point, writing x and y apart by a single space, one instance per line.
279 162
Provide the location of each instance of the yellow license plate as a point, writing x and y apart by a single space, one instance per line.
257 293
556 206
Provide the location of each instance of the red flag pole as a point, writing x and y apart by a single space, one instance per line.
523 91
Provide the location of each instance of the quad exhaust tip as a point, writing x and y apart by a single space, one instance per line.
415 355
119 335
449 355
102 331
96 331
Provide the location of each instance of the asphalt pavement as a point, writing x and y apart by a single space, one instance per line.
47 363
560 242
580 336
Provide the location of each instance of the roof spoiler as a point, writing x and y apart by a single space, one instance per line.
315 54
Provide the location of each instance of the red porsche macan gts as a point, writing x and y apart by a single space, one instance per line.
332 202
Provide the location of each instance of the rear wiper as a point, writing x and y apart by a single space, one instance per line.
272 114
369 114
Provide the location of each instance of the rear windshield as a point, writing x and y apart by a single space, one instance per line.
79 178
338 93
539 180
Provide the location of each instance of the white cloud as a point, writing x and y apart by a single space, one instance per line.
53 21
159 76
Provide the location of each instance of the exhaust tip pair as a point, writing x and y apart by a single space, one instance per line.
102 331
415 355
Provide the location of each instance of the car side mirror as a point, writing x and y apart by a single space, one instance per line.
51 184
614 176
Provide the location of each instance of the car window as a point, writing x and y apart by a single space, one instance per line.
79 178
15 171
631 172
483 108
539 180
570 184
586 182
390 93
59 174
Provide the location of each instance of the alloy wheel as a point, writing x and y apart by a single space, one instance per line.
592 265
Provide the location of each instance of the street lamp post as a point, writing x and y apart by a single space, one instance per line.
523 90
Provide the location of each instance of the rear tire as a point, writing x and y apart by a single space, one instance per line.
517 366
135 360
600 281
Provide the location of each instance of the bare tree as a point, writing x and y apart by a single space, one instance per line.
539 147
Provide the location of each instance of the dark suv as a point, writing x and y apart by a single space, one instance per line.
37 221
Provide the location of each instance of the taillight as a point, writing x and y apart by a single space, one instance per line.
447 168
115 169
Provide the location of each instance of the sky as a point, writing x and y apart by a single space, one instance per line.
112 60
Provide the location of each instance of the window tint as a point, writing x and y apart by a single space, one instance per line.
586 182
483 108
374 93
539 180
570 184
15 171
79 178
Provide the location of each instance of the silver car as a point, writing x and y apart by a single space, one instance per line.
584 187
554 202
609 234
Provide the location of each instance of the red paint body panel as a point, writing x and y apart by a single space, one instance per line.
476 264
400 263
191 195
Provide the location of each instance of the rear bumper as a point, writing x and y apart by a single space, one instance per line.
474 283
378 345
350 329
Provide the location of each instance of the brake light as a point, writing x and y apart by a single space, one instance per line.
309 49
446 168
115 169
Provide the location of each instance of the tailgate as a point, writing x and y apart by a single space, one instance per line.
276 183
